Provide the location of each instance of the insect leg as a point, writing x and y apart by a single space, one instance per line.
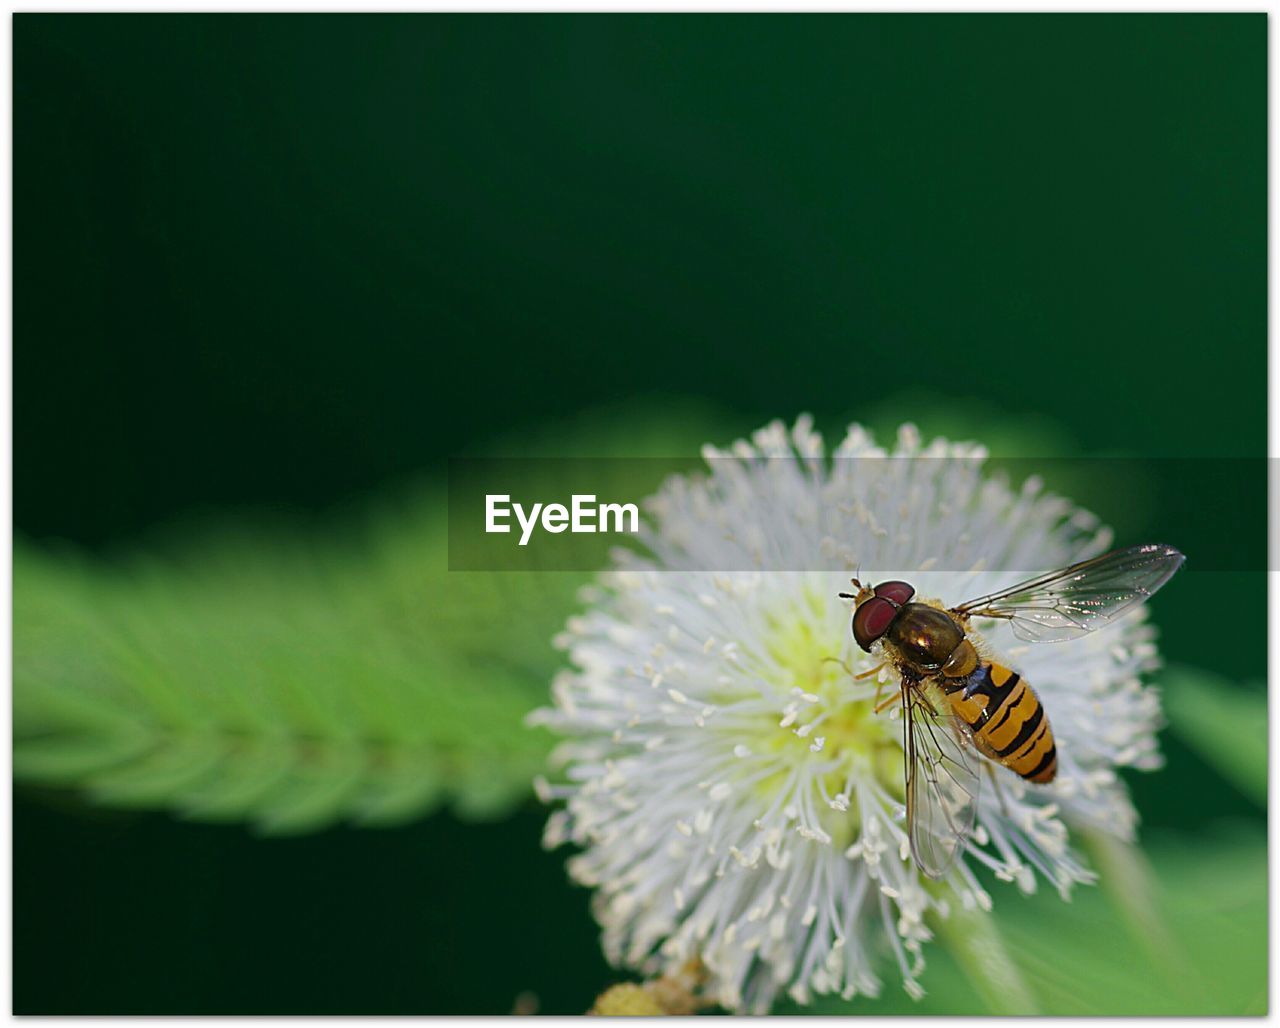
879 706
843 663
885 703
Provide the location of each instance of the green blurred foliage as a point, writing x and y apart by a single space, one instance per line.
1223 723
263 683
295 679
1077 958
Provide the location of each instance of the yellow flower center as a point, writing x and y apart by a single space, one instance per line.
826 716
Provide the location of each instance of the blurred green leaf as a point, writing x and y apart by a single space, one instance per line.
258 685
1080 958
296 678
973 940
1128 881
1226 724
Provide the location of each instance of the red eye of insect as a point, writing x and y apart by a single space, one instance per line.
872 620
897 592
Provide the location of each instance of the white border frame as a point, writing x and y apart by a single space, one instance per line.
399 6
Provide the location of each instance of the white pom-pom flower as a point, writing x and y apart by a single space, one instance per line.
735 799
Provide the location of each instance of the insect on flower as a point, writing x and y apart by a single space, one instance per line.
957 703
730 793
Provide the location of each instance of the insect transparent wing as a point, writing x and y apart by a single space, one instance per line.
942 779
1076 600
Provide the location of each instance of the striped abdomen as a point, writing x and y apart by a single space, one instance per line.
1009 724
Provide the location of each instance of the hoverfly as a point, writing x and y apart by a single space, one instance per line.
958 704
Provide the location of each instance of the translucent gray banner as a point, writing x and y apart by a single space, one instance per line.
945 513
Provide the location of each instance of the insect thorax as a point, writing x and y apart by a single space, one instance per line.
923 636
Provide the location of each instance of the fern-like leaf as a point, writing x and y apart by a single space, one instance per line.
299 679
250 687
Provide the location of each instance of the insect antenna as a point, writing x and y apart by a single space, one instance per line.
852 596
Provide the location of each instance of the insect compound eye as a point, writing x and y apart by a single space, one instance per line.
871 620
897 592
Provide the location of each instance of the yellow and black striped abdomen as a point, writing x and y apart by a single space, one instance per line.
1009 724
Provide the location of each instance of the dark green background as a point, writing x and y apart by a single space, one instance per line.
273 262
